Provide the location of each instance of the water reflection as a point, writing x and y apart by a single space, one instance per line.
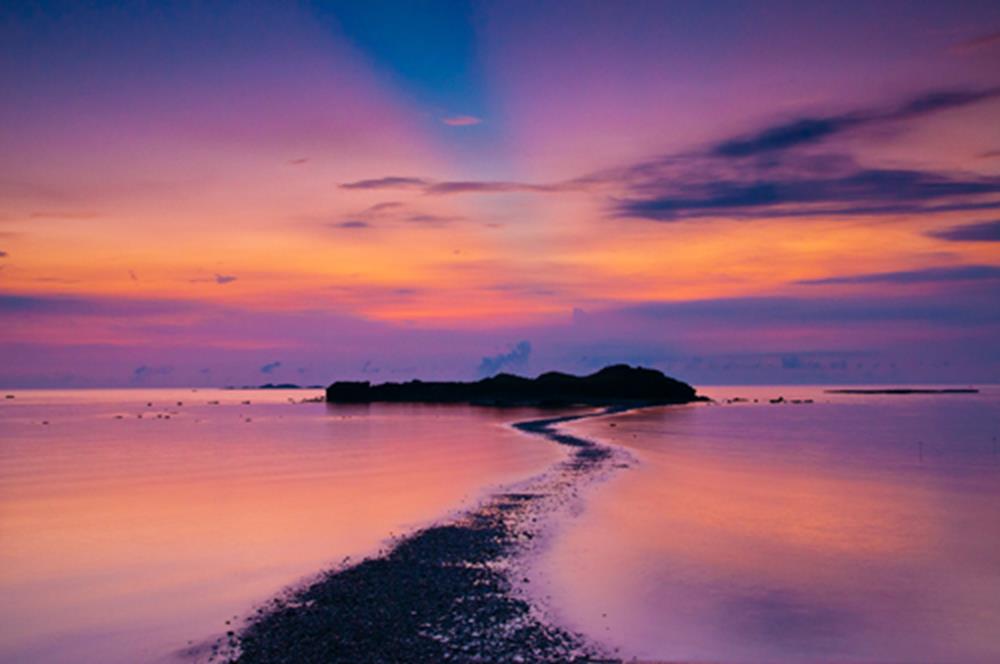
792 533
121 539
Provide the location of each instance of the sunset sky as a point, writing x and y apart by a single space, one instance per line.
239 193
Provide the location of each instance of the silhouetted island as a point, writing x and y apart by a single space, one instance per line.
619 384
906 390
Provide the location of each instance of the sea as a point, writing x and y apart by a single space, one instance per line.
855 528
140 525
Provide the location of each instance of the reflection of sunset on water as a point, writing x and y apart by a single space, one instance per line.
759 532
135 535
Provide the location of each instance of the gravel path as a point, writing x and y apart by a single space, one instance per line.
452 592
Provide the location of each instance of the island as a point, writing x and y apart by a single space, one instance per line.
619 384
906 390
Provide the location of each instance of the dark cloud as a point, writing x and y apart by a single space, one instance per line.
391 182
516 357
270 367
983 231
145 372
352 223
806 130
850 191
791 362
928 275
221 279
3 254
299 161
781 137
768 173
13 303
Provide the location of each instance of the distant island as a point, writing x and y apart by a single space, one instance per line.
905 390
275 386
619 384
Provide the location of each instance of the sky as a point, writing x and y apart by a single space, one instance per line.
234 193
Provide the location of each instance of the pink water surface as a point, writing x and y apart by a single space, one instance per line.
854 529
126 540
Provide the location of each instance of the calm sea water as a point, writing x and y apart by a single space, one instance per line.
853 529
121 540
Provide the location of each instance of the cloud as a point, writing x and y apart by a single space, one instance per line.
845 190
270 367
298 162
391 182
60 305
145 372
983 231
3 254
812 129
447 187
380 208
461 121
516 357
352 223
221 279
432 219
487 187
927 275
766 173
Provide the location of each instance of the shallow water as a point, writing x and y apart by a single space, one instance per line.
854 529
126 540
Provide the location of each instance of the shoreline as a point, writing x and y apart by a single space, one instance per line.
453 591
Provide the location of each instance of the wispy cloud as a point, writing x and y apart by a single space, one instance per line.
983 231
3 254
351 224
516 357
221 279
461 120
776 190
270 367
927 275
390 182
813 129
433 219
445 187
775 171
145 372
380 208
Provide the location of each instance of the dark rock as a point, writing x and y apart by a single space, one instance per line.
618 384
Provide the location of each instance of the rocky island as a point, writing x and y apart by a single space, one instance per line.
618 384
